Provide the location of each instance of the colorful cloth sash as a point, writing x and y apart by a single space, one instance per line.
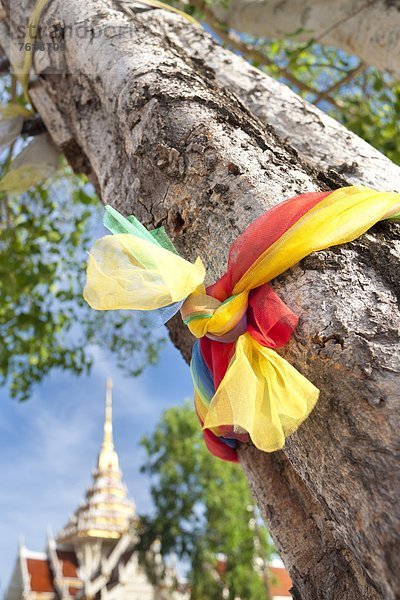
243 389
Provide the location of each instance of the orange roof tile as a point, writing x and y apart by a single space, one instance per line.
220 567
41 576
280 582
69 563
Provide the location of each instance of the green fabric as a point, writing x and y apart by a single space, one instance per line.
116 223
161 236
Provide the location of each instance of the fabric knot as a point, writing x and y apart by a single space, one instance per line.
233 334
208 316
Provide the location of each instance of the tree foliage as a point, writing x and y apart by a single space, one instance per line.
44 321
364 99
204 512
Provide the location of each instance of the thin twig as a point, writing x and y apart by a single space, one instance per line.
7 162
346 79
327 66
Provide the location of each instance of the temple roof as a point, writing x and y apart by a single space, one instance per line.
106 511
280 583
105 514
42 577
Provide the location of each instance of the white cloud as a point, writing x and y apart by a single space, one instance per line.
49 445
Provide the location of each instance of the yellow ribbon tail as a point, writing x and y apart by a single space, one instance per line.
341 217
261 394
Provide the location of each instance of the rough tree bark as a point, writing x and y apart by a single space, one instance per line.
367 28
166 124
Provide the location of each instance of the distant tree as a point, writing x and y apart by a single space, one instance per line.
204 512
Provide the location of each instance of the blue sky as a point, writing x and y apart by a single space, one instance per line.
49 444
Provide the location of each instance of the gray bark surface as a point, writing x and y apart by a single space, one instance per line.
157 123
367 28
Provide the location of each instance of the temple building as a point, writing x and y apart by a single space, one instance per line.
93 556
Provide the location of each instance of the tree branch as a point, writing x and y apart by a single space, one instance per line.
251 53
367 29
350 76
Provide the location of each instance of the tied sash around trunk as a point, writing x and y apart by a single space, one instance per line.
243 389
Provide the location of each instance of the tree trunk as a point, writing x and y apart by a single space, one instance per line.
368 28
155 119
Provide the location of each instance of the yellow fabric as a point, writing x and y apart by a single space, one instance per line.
202 409
11 110
200 304
37 161
341 217
224 317
126 272
262 394
20 179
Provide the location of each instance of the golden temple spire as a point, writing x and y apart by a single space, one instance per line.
108 458
106 513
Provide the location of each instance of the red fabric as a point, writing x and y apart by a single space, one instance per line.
205 349
269 320
259 236
218 448
217 356
221 289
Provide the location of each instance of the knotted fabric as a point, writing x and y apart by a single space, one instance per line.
243 389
